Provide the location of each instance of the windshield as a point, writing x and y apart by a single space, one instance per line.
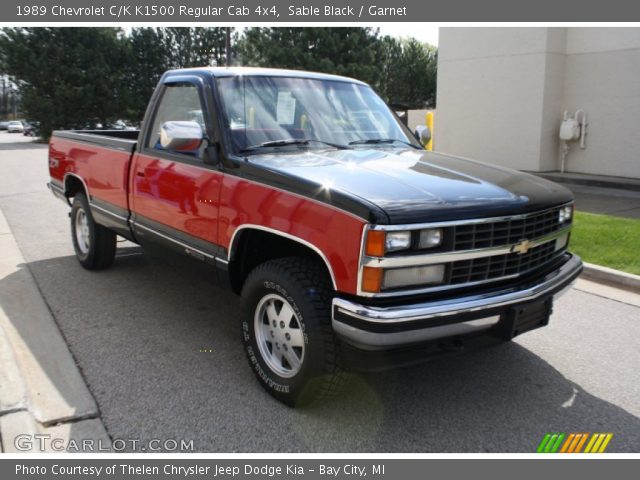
269 112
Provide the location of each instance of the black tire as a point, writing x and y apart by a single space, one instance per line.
99 250
305 286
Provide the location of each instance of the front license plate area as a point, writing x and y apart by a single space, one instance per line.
523 318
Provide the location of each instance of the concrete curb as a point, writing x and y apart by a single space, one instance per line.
609 276
618 183
41 388
13 391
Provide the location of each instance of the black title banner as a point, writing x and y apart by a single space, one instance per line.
276 11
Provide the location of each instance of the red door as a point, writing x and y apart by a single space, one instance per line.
175 195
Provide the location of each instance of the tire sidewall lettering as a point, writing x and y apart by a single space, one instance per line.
278 387
301 284
247 333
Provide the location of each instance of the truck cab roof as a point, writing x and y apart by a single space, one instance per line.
260 72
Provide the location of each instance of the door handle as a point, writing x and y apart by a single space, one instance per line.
139 173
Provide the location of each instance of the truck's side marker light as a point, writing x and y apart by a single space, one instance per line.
375 243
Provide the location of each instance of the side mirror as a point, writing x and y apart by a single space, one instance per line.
423 134
181 136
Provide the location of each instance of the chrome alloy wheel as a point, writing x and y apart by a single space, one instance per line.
83 238
279 335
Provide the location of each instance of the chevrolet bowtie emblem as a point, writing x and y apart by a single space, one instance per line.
522 247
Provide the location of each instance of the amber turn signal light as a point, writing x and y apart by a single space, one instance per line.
371 279
375 243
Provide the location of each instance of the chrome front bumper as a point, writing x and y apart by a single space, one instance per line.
371 327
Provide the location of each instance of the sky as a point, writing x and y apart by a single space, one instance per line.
419 31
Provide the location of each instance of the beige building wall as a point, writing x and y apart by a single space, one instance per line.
502 93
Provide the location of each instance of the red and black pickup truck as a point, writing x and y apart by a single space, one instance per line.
351 246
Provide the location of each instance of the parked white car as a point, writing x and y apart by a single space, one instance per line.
15 127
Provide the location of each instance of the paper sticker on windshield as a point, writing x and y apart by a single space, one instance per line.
286 108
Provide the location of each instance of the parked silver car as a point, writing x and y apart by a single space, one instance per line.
15 126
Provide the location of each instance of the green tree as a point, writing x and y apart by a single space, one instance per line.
346 51
389 51
71 77
195 46
67 77
402 71
153 51
409 71
148 60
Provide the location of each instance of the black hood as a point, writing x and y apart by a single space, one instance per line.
413 186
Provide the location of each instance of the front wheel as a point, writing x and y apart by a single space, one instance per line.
286 330
95 245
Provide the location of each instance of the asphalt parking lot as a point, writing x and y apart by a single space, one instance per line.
159 348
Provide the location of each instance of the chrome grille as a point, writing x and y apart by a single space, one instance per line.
474 252
505 232
497 266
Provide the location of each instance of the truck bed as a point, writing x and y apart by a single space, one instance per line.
119 139
100 159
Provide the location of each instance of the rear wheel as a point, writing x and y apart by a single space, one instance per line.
286 330
95 245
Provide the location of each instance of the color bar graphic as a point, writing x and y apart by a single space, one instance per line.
574 442
550 443
598 442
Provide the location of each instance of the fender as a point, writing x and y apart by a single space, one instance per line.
84 185
103 213
251 226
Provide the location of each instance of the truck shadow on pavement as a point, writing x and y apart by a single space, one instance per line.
159 347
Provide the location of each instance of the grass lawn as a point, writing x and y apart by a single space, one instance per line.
612 242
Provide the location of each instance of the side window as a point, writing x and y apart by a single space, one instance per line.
179 102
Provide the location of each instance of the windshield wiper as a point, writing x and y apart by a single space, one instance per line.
292 141
378 141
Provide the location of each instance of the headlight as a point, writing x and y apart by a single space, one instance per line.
397 241
404 277
565 214
380 242
429 238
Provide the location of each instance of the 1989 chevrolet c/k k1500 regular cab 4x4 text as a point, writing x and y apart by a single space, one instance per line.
348 242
